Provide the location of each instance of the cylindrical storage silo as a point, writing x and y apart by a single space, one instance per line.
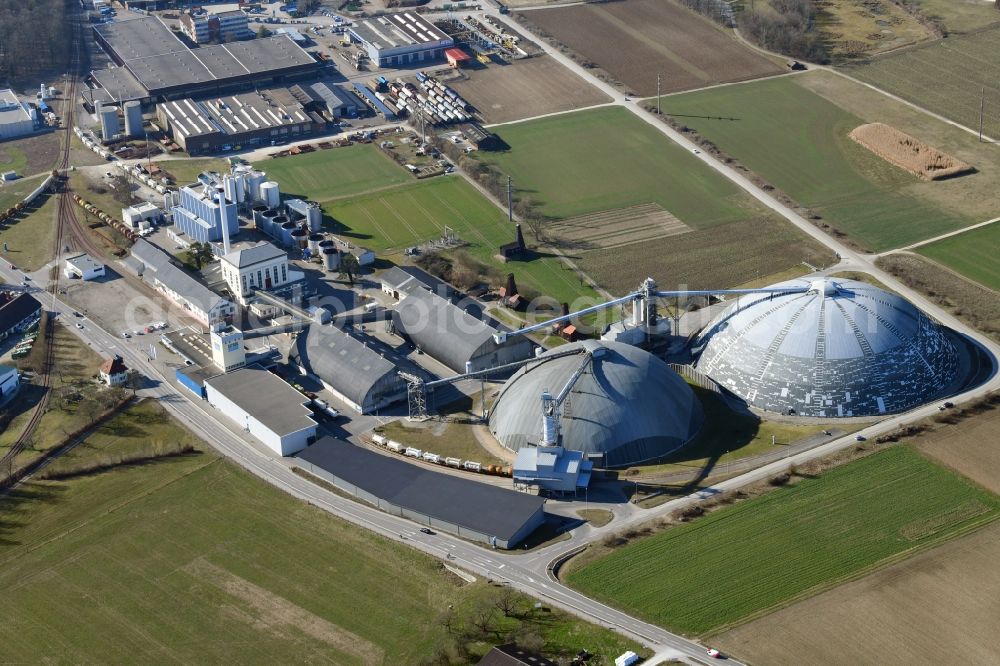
255 214
229 187
168 201
331 259
270 194
109 122
241 192
300 238
315 218
286 232
323 244
133 119
254 180
314 240
267 222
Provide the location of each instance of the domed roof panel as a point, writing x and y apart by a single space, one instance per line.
625 405
828 348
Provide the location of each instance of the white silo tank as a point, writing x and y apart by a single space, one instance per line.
168 201
229 186
270 194
254 180
109 122
241 192
133 119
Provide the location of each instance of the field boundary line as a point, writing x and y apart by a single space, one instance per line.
901 556
947 269
928 241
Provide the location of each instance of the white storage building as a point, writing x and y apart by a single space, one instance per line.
265 406
84 267
16 118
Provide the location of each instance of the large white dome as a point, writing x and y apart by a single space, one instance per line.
627 406
840 348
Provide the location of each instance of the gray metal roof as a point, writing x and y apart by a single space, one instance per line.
266 397
628 406
408 278
444 330
343 362
263 251
140 37
470 504
162 268
844 348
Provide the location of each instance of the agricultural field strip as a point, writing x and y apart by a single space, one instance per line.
950 234
619 227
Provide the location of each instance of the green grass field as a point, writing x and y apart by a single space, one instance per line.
973 254
186 171
699 577
591 161
30 236
13 192
395 218
808 154
191 560
338 172
946 77
960 16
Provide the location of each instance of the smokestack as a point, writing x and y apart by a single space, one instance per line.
224 219
565 309
511 286
520 238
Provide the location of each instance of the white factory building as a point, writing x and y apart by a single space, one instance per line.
155 267
83 267
203 212
221 27
16 117
265 406
400 39
262 266
141 216
228 353
10 382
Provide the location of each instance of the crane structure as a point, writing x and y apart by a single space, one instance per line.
553 408
644 308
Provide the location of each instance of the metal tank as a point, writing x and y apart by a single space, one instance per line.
331 258
323 244
314 241
267 222
109 122
254 180
270 194
286 231
133 119
300 238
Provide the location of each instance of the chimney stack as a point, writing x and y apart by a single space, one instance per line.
511 286
520 238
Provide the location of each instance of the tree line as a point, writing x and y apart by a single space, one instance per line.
35 37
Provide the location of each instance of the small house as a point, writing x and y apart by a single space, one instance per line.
113 371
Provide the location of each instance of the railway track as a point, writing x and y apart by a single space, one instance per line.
66 222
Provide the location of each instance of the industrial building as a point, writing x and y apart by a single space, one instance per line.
156 267
16 117
234 121
153 64
832 348
349 368
400 39
265 406
220 27
17 313
399 281
204 215
453 335
472 510
142 216
552 468
228 353
328 98
262 266
618 404
83 267
10 382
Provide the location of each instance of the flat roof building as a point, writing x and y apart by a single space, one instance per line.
201 213
266 406
552 468
17 312
153 63
245 119
472 510
220 27
400 39
16 117
84 267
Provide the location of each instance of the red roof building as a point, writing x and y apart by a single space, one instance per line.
456 56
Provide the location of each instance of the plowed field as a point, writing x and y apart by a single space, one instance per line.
636 40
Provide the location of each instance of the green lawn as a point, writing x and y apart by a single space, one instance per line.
395 218
799 142
13 192
186 171
334 173
717 570
191 560
960 15
974 254
12 158
30 236
598 160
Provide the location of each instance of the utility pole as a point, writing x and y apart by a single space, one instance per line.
657 94
510 202
982 106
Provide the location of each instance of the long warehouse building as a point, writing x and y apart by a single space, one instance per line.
400 39
153 64
247 119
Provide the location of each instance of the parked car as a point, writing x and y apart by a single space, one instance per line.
860 438
714 654
426 530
